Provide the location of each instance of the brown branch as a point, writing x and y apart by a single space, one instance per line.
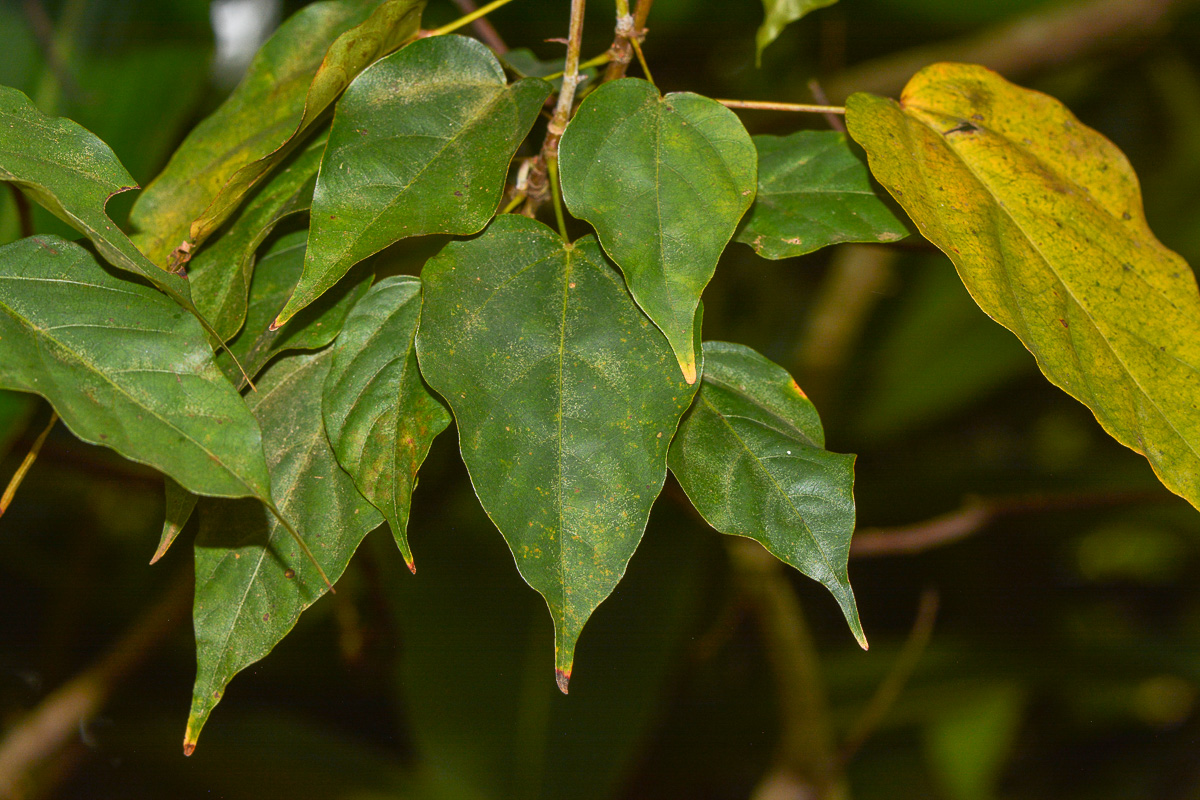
622 46
1044 38
483 28
976 514
51 727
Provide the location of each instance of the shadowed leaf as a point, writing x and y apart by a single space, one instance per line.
777 15
813 192
664 180
750 454
566 398
1043 218
292 81
178 505
379 416
252 581
124 367
420 144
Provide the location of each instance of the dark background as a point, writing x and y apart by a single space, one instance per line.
1065 660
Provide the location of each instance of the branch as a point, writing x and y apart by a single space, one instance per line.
1041 39
483 28
622 46
977 513
51 727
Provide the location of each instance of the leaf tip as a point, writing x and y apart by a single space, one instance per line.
689 372
412 565
562 676
159 553
277 323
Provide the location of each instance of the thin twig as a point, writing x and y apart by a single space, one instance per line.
891 687
11 490
51 727
470 18
24 212
976 513
765 105
483 28
818 92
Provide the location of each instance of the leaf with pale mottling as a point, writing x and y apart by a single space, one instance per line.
420 144
125 367
813 192
750 454
379 416
252 581
293 79
664 180
566 398
1042 216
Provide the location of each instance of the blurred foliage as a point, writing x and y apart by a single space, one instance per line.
1066 659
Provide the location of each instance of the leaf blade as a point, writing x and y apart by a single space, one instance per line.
750 455
1069 265
777 15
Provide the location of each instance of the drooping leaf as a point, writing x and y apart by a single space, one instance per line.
124 367
73 174
178 506
379 416
566 398
420 144
294 78
1042 216
664 180
252 581
750 454
220 273
813 192
777 15
316 326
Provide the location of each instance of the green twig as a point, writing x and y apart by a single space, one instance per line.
467 19
483 29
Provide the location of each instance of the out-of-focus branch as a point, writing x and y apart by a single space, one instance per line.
976 513
43 735
483 28
1035 41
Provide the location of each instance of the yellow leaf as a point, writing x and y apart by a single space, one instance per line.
1042 216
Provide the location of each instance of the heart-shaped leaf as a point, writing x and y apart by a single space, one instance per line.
379 416
566 398
420 144
664 180
73 174
274 279
220 274
252 581
294 78
124 367
813 192
1042 216
750 454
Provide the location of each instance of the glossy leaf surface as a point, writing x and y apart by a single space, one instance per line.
220 274
274 278
379 416
813 192
72 173
566 398
750 454
252 581
1042 217
664 180
124 367
420 144
294 78
777 15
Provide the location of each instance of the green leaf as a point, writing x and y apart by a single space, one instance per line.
664 180
178 505
566 399
73 174
750 454
420 144
1043 218
274 279
379 416
813 192
220 274
124 367
252 580
777 15
294 78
